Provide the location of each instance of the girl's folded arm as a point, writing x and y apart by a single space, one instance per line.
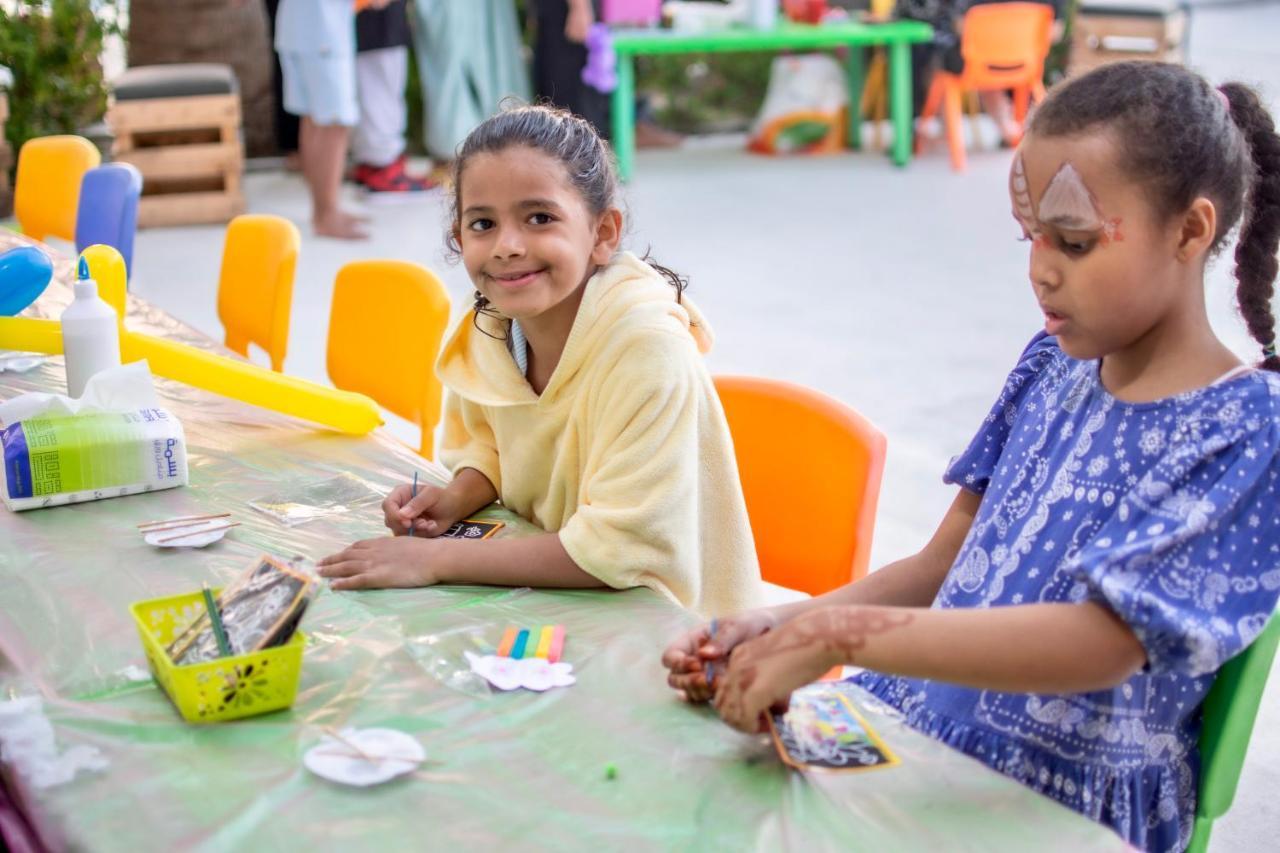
539 561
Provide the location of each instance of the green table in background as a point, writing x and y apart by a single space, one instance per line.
896 36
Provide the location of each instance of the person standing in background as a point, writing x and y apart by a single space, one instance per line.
470 59
382 72
560 54
316 41
286 124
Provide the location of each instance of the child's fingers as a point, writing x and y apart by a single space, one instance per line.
681 655
395 499
340 557
426 499
363 580
342 568
695 684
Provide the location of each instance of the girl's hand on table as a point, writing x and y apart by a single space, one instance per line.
763 671
431 513
397 561
688 656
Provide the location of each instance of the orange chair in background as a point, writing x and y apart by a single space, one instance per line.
811 469
255 287
1004 46
385 329
46 192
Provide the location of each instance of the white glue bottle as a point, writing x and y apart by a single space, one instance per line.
90 334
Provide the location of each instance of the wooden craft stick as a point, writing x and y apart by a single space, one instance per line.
198 532
508 640
184 520
360 753
182 525
557 644
215 622
337 735
544 642
522 640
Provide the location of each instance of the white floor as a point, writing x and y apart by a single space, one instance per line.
901 292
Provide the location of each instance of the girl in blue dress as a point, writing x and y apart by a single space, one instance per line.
1115 537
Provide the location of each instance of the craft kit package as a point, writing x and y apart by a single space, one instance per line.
61 459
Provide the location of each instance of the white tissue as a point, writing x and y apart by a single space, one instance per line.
125 388
27 744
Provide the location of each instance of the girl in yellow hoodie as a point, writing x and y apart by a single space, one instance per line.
577 396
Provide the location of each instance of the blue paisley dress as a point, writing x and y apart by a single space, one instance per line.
1166 512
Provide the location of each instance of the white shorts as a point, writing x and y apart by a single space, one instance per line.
321 86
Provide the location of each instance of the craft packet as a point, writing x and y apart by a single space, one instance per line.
303 503
260 609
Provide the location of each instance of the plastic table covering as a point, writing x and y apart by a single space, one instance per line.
518 770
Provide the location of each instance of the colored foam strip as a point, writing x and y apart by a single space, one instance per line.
508 640
522 640
557 644
544 641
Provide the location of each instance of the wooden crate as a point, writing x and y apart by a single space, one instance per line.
189 153
1111 32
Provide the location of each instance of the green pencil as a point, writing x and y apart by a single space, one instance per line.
215 619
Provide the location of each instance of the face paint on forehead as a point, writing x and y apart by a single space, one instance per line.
1068 203
1020 191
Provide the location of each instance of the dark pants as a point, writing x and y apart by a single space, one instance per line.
286 123
558 64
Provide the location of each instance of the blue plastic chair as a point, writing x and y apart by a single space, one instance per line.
108 211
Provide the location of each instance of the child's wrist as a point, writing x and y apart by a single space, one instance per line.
445 565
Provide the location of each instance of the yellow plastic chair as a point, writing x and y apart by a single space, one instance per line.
810 469
46 194
255 287
385 329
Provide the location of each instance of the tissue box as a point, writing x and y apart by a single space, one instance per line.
62 459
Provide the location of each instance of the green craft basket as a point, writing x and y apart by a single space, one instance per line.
219 690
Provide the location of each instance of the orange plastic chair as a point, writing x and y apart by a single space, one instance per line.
255 287
46 193
385 329
810 469
1004 46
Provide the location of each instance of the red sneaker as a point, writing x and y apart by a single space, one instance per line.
390 181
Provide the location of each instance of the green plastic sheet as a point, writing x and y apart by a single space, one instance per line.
506 771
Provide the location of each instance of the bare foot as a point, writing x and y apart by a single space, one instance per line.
649 135
362 218
338 225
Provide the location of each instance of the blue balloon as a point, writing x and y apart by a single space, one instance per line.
24 274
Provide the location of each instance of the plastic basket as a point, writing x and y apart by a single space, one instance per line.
223 689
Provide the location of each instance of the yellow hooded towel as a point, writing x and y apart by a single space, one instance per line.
626 454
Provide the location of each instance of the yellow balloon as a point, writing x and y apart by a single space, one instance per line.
239 380
106 267
26 334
